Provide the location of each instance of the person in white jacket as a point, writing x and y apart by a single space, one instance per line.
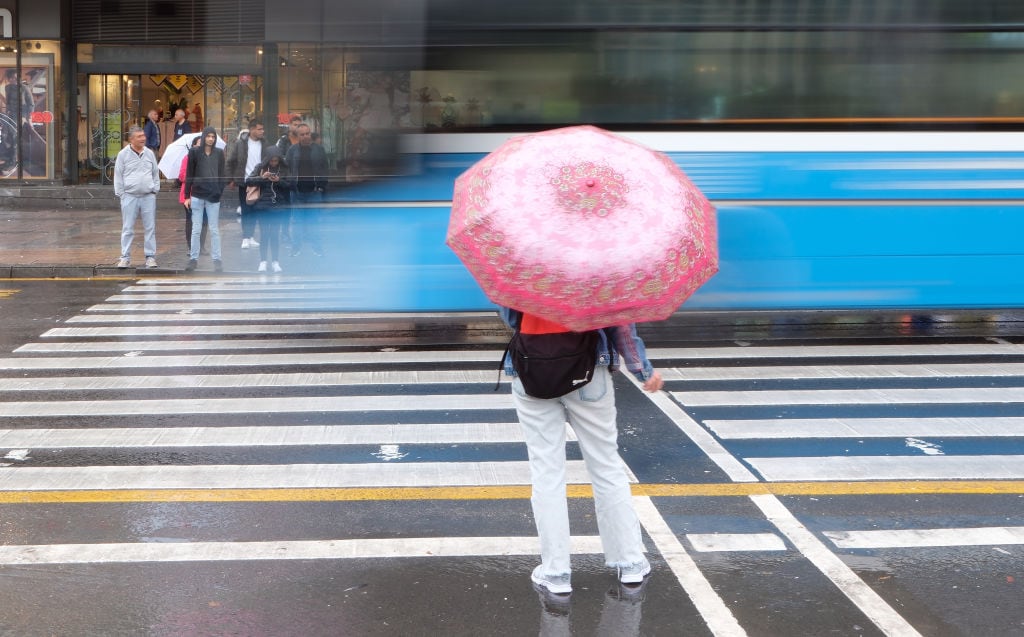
136 182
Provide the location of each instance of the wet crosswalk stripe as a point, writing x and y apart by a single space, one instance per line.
134 552
910 538
947 395
987 467
791 428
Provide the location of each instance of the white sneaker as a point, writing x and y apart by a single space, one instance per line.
557 584
634 573
124 262
263 267
254 243
275 266
245 244
150 262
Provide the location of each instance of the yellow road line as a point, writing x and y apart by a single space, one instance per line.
938 487
8 293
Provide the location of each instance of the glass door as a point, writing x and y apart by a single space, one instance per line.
113 105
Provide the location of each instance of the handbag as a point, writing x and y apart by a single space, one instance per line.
252 194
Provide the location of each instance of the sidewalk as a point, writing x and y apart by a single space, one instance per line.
85 242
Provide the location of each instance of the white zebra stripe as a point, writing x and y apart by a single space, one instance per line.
137 552
867 468
289 435
199 381
946 395
256 405
787 372
916 538
783 428
285 476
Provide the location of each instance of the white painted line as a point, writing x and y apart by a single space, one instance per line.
285 476
234 345
258 327
720 620
729 542
270 305
786 428
162 296
916 538
908 467
733 468
254 360
292 404
943 395
134 553
887 619
289 435
849 583
232 286
791 372
833 351
265 317
291 379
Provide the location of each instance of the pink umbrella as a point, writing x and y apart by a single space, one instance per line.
583 227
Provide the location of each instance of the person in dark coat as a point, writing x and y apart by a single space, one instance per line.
274 183
205 178
308 164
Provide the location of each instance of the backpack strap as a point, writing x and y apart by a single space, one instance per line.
501 362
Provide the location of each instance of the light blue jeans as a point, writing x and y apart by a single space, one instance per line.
591 414
133 206
212 210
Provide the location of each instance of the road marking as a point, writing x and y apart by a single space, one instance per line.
6 294
942 395
289 435
138 552
500 492
833 351
729 542
254 405
254 360
200 381
841 575
263 317
261 327
863 596
720 620
813 372
787 428
284 476
988 467
914 538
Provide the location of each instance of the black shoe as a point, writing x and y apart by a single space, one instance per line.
192 263
218 266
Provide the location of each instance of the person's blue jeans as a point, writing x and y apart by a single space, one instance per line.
592 415
212 210
133 206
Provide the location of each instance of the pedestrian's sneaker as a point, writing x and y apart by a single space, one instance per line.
262 267
275 266
124 262
150 262
254 243
245 244
218 266
557 584
634 573
192 263
296 252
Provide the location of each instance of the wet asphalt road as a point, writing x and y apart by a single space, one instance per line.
208 457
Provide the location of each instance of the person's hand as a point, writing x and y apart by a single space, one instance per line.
275 177
188 203
265 174
654 383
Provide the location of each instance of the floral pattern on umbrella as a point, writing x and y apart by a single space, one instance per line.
584 228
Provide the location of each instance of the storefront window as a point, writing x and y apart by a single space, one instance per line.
29 143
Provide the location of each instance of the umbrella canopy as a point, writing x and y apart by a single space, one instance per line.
584 228
170 163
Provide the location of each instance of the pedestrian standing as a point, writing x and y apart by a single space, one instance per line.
271 177
181 125
182 174
243 156
136 182
308 164
205 179
590 411
152 130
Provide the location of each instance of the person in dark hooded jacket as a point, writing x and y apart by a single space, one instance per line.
271 176
205 178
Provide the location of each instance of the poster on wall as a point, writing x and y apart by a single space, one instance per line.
26 117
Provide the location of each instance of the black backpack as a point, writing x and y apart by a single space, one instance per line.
553 365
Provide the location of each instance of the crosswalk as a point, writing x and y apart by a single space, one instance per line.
218 366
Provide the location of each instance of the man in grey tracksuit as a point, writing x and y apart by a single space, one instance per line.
136 182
